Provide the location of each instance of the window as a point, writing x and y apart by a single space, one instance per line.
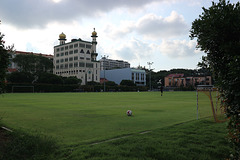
88 46
70 52
57 49
66 66
75 51
66 47
57 61
62 48
81 57
70 65
76 64
82 45
75 58
81 64
66 59
71 46
71 59
89 65
132 76
62 54
57 66
81 51
61 66
66 53
88 59
57 55
62 60
75 45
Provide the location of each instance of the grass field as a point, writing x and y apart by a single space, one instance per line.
80 119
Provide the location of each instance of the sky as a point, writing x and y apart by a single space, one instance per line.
136 31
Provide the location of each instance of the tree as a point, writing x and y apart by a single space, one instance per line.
218 34
20 77
127 83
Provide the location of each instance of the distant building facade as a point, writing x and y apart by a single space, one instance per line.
108 64
13 67
77 58
179 80
117 75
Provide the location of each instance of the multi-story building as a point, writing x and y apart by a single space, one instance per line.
13 67
77 58
138 76
178 80
107 64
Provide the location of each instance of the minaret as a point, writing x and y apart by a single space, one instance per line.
94 44
62 38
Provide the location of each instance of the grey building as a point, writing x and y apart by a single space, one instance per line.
107 64
138 76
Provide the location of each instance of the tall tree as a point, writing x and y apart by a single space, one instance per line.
218 34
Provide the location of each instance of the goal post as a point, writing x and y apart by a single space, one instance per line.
25 89
208 103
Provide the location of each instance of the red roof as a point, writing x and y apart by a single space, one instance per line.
38 54
175 75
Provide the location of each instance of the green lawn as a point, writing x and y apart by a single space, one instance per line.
75 118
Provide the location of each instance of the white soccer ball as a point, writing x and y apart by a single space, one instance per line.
129 112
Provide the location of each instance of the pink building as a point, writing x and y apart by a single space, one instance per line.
179 80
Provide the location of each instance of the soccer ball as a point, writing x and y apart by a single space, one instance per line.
129 112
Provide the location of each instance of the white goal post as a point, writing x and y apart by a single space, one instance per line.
22 89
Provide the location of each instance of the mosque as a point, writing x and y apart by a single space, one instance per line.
77 58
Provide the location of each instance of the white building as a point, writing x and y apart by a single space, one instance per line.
77 58
107 64
138 76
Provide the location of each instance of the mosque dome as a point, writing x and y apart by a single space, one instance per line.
94 33
62 36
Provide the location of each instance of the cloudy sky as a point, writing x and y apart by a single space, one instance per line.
137 31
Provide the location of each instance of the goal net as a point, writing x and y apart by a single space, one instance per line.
208 104
22 89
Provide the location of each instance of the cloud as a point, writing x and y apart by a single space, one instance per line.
134 50
154 26
178 48
38 13
151 26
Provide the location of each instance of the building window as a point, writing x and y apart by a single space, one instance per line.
66 66
66 59
88 46
133 76
62 48
76 64
81 51
58 50
70 52
66 47
82 45
75 58
71 59
75 45
71 46
57 55
66 53
62 54
75 51
57 66
70 65
62 60
57 61
89 65
81 64
88 59
81 57
61 66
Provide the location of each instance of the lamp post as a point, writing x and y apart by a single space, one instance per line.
150 63
104 58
